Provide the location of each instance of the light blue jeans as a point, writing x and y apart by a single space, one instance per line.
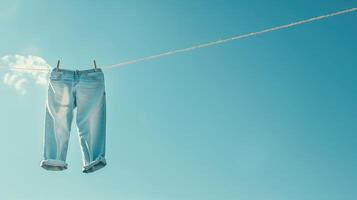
67 90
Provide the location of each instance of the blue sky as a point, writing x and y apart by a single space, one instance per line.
269 117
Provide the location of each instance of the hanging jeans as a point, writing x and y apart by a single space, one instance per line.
67 90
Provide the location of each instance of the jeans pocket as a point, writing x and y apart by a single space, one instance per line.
94 76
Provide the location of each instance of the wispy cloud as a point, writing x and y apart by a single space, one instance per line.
19 76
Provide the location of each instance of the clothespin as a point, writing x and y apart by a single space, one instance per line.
95 65
58 63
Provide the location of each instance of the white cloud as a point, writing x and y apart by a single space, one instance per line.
19 75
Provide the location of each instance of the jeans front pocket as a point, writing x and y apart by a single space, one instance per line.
94 76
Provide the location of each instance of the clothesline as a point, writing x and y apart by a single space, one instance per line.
204 45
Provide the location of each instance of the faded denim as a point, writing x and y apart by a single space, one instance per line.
67 90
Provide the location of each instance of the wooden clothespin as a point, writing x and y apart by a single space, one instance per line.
58 63
95 65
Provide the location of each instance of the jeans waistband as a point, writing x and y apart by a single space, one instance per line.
79 72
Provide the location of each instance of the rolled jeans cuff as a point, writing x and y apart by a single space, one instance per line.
99 163
53 165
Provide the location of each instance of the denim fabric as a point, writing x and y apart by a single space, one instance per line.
85 91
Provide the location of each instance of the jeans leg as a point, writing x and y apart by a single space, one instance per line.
59 114
91 122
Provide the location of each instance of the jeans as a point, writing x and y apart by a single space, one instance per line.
67 90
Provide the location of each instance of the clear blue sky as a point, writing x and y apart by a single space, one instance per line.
271 117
